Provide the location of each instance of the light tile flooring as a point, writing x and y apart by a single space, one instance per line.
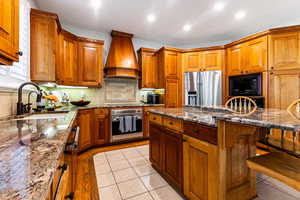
127 174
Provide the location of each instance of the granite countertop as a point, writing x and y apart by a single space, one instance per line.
108 105
268 118
29 155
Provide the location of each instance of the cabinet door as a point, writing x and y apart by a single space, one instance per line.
284 51
68 67
172 158
235 60
43 48
101 127
200 165
90 65
155 146
149 70
171 64
284 88
9 30
192 61
256 55
85 123
213 60
173 93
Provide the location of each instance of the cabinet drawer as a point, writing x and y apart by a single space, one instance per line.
201 132
174 124
155 118
101 111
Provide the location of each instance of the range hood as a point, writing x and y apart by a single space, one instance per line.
121 60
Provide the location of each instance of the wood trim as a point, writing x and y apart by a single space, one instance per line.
48 15
5 61
247 38
83 39
285 29
203 49
147 50
121 34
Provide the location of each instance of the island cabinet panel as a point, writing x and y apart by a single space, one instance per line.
155 146
101 127
9 31
44 37
284 88
85 121
201 132
90 66
284 51
172 157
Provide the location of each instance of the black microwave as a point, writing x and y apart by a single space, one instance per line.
245 85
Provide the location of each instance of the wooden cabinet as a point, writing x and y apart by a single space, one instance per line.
212 60
172 157
235 60
248 57
68 68
284 88
173 93
85 121
155 146
257 55
102 132
192 61
9 31
199 169
284 51
90 65
166 153
148 60
171 64
147 117
44 37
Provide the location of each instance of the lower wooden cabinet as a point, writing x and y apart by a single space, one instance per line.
166 153
101 133
199 170
85 121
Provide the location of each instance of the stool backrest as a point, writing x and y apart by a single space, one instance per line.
241 105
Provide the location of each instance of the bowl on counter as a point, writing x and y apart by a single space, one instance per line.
80 103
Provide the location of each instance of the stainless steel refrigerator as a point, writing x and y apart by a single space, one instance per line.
203 88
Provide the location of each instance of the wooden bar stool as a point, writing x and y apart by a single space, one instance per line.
241 105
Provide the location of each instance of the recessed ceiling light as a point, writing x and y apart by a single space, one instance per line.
187 27
151 18
240 14
95 3
219 6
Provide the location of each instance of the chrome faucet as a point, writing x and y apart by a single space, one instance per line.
23 108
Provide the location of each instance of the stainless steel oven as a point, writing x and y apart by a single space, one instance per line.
126 124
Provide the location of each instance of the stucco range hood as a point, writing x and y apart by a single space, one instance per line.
121 60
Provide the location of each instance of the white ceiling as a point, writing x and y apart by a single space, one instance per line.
207 24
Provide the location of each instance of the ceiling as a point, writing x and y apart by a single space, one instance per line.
209 20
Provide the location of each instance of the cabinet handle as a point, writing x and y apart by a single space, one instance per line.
70 196
272 67
20 53
63 167
184 140
171 123
154 118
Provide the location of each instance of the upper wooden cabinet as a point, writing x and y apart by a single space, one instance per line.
90 63
9 31
173 93
235 60
148 61
284 51
212 60
248 57
68 67
192 61
43 43
171 64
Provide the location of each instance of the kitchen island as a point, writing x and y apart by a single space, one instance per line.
212 147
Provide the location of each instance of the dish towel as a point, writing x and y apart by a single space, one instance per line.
134 118
121 125
128 123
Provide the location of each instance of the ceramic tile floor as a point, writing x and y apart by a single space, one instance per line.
126 174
